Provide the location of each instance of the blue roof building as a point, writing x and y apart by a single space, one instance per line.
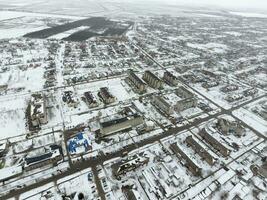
79 144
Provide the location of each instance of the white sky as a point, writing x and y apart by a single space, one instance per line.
248 5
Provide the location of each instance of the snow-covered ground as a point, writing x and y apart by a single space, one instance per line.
12 118
249 14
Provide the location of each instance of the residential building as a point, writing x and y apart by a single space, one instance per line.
38 113
152 80
227 126
234 97
170 78
188 99
250 92
196 171
210 84
131 193
137 83
214 142
132 163
4 144
90 99
200 150
106 96
69 99
162 105
229 88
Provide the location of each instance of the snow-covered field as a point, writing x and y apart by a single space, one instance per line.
210 47
249 14
28 22
12 118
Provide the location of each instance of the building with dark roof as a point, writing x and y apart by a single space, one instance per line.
106 96
130 194
50 157
90 99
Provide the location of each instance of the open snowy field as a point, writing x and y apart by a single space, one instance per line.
12 118
249 14
17 23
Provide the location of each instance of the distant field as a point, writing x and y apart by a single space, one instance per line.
98 26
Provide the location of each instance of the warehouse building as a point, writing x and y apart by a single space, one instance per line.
7 173
119 124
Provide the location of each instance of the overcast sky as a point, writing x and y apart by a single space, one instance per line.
248 5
